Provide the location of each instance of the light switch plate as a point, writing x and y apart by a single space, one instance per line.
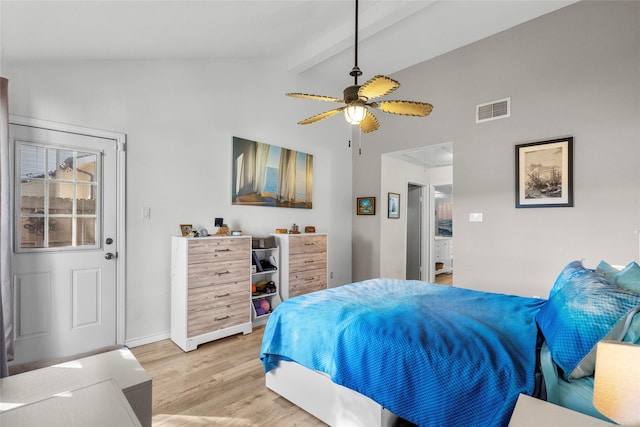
475 217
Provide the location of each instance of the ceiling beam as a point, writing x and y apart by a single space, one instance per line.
372 20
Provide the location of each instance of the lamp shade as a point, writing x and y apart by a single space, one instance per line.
354 114
616 391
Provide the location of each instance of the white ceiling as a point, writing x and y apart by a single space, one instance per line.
307 34
432 156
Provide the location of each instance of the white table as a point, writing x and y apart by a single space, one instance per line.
532 412
119 366
97 405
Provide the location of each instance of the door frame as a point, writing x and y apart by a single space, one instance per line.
120 140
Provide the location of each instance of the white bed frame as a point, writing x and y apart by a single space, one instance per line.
334 404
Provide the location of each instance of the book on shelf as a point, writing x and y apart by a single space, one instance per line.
256 261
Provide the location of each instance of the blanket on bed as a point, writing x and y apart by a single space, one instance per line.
432 354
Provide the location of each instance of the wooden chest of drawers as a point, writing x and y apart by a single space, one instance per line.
210 289
303 259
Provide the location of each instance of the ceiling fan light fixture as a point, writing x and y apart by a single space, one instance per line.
358 97
354 114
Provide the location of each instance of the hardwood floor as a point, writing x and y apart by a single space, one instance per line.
219 384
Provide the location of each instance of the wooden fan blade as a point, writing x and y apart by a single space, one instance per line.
406 108
378 86
321 116
369 124
314 97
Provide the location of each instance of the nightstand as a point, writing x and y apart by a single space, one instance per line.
532 412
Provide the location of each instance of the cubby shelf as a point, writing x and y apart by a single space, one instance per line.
259 315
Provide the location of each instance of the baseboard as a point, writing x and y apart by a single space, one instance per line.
147 340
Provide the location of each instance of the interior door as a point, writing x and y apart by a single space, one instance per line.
414 269
65 265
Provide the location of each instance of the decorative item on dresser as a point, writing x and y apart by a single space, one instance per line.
303 263
210 294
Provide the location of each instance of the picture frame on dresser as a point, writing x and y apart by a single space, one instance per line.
185 229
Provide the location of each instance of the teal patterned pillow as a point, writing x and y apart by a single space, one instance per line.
629 277
573 269
584 308
633 333
607 271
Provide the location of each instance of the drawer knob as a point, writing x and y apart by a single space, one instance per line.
222 296
224 272
222 318
223 250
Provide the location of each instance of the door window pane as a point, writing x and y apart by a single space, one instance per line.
60 232
32 232
86 231
86 199
59 197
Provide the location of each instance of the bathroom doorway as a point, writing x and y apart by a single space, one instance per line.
443 234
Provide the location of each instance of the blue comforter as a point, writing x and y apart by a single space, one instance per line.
432 354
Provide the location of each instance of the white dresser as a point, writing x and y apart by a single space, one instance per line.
210 289
303 263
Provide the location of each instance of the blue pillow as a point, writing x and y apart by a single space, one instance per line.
629 277
573 269
607 271
633 333
583 309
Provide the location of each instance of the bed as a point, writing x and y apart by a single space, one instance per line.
385 352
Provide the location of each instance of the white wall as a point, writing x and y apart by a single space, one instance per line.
179 118
574 72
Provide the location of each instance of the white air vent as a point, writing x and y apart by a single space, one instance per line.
493 110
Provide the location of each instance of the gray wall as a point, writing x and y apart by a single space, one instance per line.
574 72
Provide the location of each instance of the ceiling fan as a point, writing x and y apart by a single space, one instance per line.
358 97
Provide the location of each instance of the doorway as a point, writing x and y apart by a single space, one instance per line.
443 234
68 262
415 233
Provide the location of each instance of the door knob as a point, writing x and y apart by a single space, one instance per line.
110 255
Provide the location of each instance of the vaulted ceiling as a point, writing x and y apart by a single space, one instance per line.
305 34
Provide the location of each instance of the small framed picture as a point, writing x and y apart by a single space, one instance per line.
393 206
366 206
185 229
544 174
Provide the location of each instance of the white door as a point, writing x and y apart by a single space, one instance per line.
414 267
65 263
